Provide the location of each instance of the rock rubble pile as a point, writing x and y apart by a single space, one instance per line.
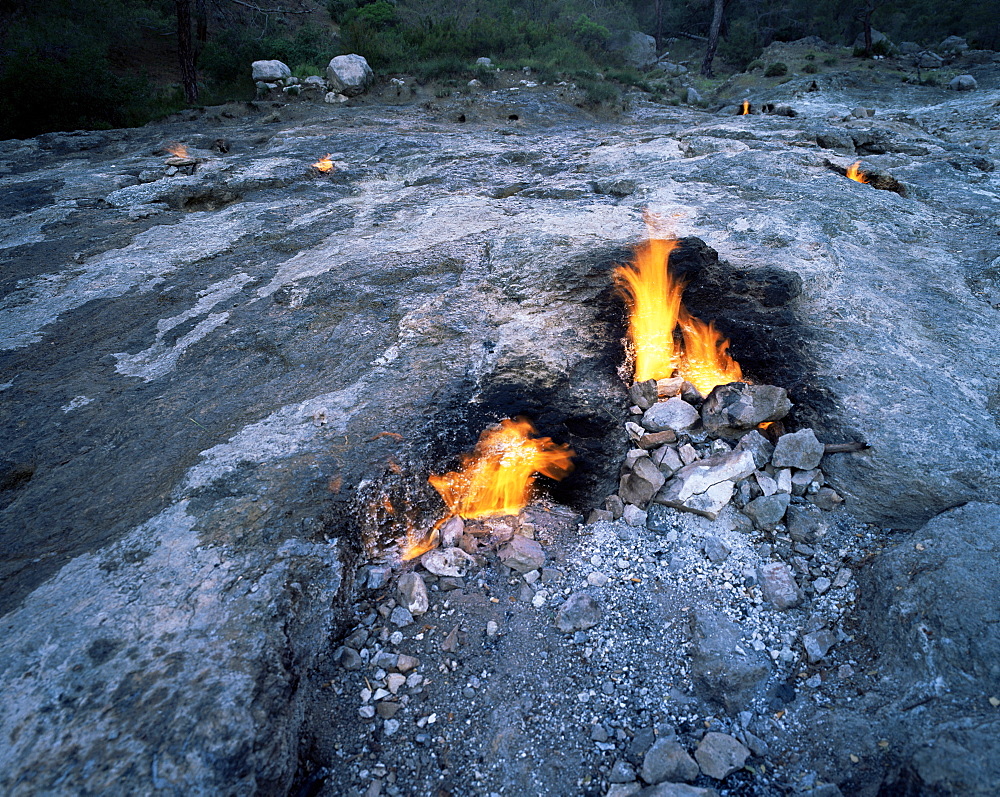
698 456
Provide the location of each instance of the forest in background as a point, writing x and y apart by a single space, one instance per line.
98 64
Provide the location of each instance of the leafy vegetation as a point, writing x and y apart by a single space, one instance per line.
67 64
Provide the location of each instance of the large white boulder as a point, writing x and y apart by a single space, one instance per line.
349 74
270 71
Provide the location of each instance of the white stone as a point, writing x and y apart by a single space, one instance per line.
270 71
349 74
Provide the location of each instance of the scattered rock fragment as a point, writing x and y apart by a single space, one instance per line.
400 617
621 772
522 554
779 585
799 450
451 532
412 592
677 790
721 674
643 394
818 643
634 516
767 511
759 446
640 484
732 409
447 562
667 760
719 755
578 613
805 523
674 414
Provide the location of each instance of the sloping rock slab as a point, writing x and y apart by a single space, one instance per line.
121 678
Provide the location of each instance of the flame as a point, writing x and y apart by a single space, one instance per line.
855 173
653 296
706 361
746 108
324 164
177 150
417 543
497 477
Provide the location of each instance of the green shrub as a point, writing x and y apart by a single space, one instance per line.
810 69
777 69
589 34
810 56
755 64
598 92
831 61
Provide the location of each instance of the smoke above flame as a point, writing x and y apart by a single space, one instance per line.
854 173
497 477
653 296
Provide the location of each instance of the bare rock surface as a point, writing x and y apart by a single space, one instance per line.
207 374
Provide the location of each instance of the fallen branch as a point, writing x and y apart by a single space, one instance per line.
844 448
692 36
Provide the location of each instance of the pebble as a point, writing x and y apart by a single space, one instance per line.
366 712
578 613
390 727
597 579
412 593
492 629
395 681
719 755
621 772
401 616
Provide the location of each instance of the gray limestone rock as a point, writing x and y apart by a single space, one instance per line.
963 83
721 673
578 613
667 460
805 523
818 643
643 394
826 498
412 593
522 554
599 515
667 760
730 410
674 414
448 562
659 518
451 531
270 71
677 790
767 511
707 504
936 594
641 483
799 450
401 617
615 506
700 475
349 75
634 516
758 445
638 49
953 45
621 772
778 585
715 549
720 755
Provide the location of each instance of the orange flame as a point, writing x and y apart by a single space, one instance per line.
497 477
324 164
855 173
417 543
706 361
177 150
746 108
653 296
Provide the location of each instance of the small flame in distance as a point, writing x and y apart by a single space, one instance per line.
324 164
177 150
653 296
854 173
497 477
746 108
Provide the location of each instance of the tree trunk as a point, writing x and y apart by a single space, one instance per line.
185 50
866 20
713 37
659 26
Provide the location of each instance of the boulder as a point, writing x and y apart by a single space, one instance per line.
878 38
636 48
641 483
953 45
349 75
270 71
928 60
693 97
933 601
963 83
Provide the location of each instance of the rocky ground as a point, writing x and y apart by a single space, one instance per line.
209 376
